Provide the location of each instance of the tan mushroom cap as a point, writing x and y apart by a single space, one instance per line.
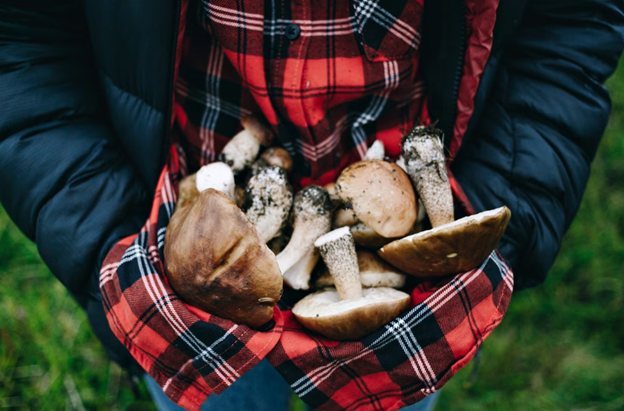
326 314
381 195
258 128
187 191
215 261
276 156
451 248
374 272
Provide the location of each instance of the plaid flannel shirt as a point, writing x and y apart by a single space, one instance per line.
345 76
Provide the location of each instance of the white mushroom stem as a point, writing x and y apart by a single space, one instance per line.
298 276
217 176
240 151
423 152
376 151
338 251
267 201
312 211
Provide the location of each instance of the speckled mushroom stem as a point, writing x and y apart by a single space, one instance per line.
423 153
312 210
338 251
267 201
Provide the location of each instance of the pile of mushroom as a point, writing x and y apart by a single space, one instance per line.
216 253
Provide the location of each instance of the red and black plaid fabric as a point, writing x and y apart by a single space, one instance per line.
348 77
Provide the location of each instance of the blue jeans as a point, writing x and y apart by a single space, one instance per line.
261 389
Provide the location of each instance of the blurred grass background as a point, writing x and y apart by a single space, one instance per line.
560 347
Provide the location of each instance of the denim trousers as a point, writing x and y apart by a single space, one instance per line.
260 389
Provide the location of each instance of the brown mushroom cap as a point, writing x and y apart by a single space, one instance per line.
381 195
326 314
278 157
374 272
187 191
258 128
451 248
215 261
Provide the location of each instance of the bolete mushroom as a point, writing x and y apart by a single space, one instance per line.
374 272
241 151
347 312
312 213
380 195
450 246
267 201
215 261
423 153
218 176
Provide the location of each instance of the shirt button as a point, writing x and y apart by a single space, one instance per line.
292 32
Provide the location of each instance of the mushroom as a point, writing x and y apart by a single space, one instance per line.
420 206
344 217
376 151
243 148
218 176
348 312
215 261
331 190
278 157
267 201
423 153
374 272
312 212
380 195
187 191
450 246
239 195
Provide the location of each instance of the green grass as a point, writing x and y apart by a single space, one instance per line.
560 347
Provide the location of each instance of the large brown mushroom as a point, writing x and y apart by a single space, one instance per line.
451 246
215 260
380 195
348 312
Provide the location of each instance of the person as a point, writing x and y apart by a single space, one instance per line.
92 93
